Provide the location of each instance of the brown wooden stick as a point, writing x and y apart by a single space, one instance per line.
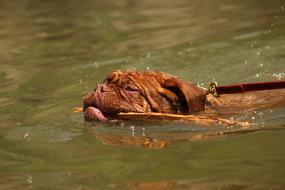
206 120
77 109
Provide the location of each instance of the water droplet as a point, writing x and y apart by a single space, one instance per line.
267 47
26 135
30 180
189 50
95 65
42 35
143 134
279 76
148 55
133 130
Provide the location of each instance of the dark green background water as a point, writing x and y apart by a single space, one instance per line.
53 52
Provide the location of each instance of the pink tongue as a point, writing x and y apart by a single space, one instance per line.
93 114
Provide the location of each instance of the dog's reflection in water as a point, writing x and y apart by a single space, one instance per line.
161 136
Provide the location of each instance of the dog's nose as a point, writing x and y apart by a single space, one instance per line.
88 100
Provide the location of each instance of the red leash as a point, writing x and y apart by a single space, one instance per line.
245 87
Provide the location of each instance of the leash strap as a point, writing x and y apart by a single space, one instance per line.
217 90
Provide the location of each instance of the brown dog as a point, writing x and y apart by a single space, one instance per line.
149 91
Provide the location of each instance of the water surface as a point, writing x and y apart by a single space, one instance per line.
53 52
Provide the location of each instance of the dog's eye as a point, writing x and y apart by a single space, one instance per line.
131 89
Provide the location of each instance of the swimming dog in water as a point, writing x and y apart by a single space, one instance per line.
150 91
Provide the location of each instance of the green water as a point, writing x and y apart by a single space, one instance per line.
53 52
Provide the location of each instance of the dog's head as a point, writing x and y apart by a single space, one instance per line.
134 91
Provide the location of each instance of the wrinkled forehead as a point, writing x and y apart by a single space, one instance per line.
120 78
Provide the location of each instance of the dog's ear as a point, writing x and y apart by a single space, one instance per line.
191 95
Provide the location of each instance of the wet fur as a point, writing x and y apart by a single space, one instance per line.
149 91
